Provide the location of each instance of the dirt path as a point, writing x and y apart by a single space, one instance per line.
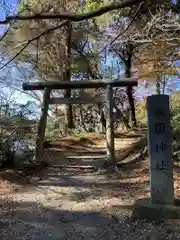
80 205
87 151
76 204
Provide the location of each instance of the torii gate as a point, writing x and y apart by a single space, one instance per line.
101 83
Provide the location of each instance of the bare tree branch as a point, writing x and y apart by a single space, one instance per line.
33 94
11 22
132 20
33 39
6 31
104 48
177 70
75 17
22 49
121 56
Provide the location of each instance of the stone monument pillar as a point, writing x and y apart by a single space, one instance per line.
160 150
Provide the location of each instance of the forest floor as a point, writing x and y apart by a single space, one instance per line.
82 203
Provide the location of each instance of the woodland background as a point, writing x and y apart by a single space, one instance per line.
140 41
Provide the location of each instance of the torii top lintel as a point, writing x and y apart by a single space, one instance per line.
80 84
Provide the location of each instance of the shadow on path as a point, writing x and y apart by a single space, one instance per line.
32 221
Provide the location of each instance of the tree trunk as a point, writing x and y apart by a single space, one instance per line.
82 118
42 127
129 91
101 113
158 85
164 84
103 120
69 110
123 118
132 105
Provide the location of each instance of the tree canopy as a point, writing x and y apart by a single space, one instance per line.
57 40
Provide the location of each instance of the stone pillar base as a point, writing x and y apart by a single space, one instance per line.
144 209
